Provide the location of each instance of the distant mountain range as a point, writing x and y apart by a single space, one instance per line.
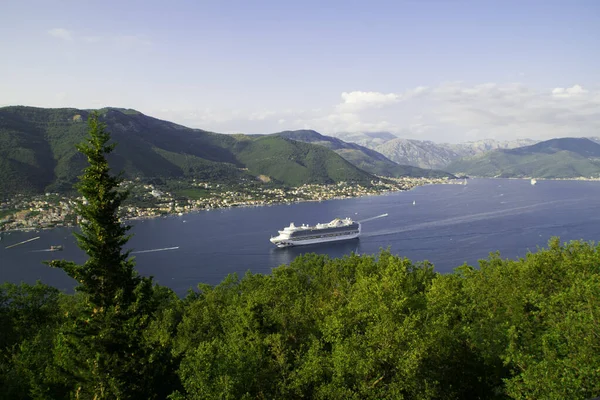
595 139
555 158
424 153
367 139
37 152
363 157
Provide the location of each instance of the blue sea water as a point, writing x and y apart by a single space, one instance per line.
447 225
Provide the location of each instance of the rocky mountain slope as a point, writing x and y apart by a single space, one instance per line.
424 153
363 157
427 154
555 158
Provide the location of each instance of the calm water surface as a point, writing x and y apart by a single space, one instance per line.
448 225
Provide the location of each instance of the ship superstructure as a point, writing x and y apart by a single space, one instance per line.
338 229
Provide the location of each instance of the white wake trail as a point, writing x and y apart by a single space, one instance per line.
154 250
469 218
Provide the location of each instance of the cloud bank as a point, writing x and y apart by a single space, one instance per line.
452 111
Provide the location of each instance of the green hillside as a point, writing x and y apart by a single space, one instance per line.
362 157
556 158
37 152
296 162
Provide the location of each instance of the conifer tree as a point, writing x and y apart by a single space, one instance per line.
108 276
100 348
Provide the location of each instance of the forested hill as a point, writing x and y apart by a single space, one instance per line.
363 157
555 158
37 152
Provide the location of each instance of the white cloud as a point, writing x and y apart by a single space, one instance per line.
61 33
361 100
450 112
575 90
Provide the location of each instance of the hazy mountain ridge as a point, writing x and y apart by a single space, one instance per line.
361 156
555 158
426 153
594 139
366 139
37 152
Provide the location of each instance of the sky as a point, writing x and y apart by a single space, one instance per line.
447 71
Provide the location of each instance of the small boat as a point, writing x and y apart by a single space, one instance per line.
414 202
56 248
533 181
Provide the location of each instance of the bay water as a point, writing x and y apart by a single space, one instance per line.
446 224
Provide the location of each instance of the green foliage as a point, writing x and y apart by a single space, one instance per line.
381 327
295 163
6 213
29 317
539 316
108 276
319 328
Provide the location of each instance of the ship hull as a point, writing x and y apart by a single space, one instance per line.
295 242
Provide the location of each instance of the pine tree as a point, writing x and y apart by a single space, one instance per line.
108 277
100 348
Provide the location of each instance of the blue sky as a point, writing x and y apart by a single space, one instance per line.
438 70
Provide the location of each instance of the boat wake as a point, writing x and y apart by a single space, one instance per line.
23 242
466 218
372 218
154 250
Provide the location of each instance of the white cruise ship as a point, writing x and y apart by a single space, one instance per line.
338 229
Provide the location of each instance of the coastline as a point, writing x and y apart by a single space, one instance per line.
54 218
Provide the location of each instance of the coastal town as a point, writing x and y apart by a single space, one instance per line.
147 201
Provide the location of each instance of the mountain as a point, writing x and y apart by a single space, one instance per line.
360 156
37 152
555 158
427 154
367 139
595 139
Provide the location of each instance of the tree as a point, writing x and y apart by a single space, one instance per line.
108 277
29 315
101 347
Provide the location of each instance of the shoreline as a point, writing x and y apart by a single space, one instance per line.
401 184
39 215
218 203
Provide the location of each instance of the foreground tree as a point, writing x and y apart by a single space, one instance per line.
29 316
101 348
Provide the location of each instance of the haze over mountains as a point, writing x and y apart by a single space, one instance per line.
522 158
361 156
425 153
555 158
